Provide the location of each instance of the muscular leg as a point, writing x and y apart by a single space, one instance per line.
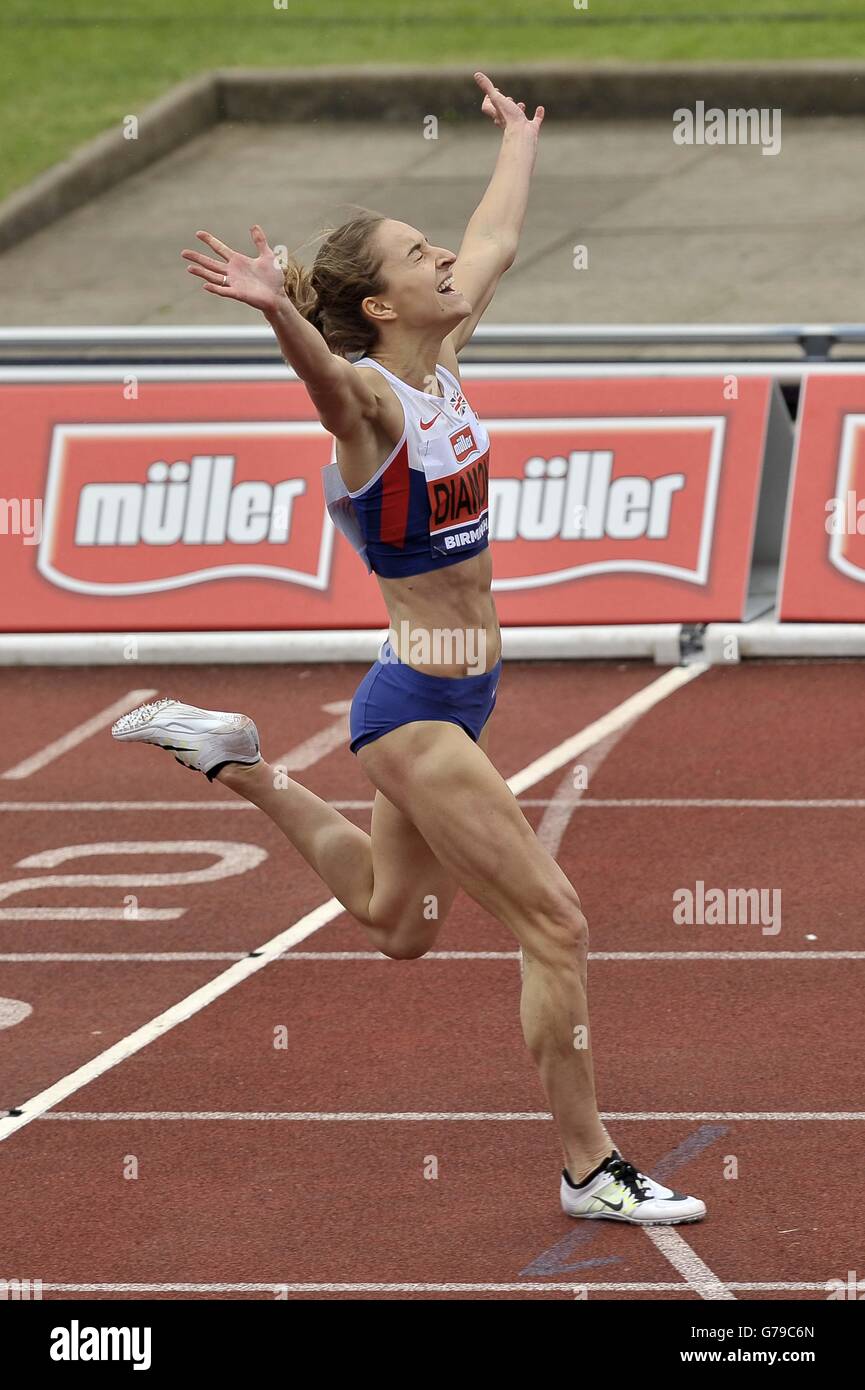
412 889
446 786
338 850
389 880
412 893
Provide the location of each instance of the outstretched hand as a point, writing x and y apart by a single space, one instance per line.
257 281
504 111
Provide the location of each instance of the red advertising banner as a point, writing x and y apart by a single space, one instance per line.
176 503
823 568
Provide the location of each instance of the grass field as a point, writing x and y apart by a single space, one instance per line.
72 68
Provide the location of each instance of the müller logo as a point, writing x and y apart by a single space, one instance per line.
195 503
577 498
463 443
143 508
624 507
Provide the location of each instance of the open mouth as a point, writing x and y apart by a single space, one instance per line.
446 286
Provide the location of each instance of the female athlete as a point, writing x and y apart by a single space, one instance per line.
374 332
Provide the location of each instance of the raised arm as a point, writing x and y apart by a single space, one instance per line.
492 235
343 400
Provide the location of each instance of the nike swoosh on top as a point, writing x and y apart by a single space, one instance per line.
614 1206
428 424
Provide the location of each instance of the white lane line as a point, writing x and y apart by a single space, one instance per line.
294 1117
164 1022
377 955
758 1115
721 803
585 803
726 955
593 955
62 745
327 740
124 957
320 916
680 1255
214 804
290 956
630 709
779 1286
89 914
467 1116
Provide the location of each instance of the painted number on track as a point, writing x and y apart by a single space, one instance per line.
230 858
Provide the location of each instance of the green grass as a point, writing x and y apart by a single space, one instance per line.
72 68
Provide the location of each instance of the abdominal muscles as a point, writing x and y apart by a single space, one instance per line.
444 622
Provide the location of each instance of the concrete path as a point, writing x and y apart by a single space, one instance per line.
690 234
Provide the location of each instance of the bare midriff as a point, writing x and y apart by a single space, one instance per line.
444 622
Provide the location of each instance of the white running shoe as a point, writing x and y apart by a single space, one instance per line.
201 739
619 1192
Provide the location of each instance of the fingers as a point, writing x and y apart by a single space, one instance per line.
213 277
495 103
260 239
207 261
490 90
215 244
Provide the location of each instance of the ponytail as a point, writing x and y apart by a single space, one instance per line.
299 288
346 270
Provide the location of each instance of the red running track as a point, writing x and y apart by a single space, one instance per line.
397 1144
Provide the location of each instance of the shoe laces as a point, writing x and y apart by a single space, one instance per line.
630 1177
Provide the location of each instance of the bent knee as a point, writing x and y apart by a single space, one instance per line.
558 926
405 950
402 935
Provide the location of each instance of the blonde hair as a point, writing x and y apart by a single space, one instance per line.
345 271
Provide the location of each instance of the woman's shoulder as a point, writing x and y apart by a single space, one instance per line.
376 381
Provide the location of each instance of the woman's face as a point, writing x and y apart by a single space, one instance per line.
418 288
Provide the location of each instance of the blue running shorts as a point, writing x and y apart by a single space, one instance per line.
392 694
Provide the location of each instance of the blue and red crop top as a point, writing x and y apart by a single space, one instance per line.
426 507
